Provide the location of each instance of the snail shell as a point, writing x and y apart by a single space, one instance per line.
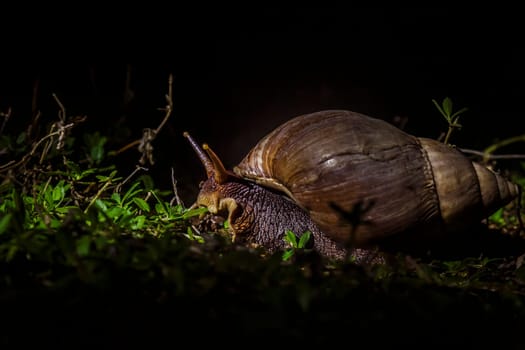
363 179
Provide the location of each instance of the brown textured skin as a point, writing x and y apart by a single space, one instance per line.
262 217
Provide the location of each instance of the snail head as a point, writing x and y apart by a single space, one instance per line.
214 193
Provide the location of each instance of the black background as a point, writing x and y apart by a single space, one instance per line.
239 71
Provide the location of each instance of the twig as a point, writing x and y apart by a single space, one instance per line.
169 106
488 156
33 124
137 168
195 229
10 164
99 193
62 111
487 153
148 135
126 147
175 192
145 146
60 123
451 128
48 144
503 143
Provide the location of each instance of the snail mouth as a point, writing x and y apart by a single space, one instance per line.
226 208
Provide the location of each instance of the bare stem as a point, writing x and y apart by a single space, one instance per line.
451 127
137 168
126 147
492 148
175 192
99 193
169 106
447 136
488 156
62 112
10 164
149 135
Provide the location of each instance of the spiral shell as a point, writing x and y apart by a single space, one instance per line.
363 179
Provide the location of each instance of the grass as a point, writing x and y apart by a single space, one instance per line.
92 256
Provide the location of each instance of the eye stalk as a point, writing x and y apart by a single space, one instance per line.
211 162
214 192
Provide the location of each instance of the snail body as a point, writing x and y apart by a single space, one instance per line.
351 180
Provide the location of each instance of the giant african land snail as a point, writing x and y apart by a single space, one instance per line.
314 171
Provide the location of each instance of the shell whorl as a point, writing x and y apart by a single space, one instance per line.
465 189
332 162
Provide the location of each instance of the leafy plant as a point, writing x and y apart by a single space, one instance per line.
452 118
295 244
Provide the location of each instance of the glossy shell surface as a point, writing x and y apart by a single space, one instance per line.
363 179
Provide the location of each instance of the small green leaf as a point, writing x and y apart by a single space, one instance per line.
102 178
131 192
439 108
115 212
160 206
141 203
59 192
189 233
100 203
304 239
194 212
160 209
66 209
456 114
48 196
192 236
116 198
139 222
447 106
291 238
86 173
177 209
497 217
287 254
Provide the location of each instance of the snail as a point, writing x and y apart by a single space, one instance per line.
353 181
